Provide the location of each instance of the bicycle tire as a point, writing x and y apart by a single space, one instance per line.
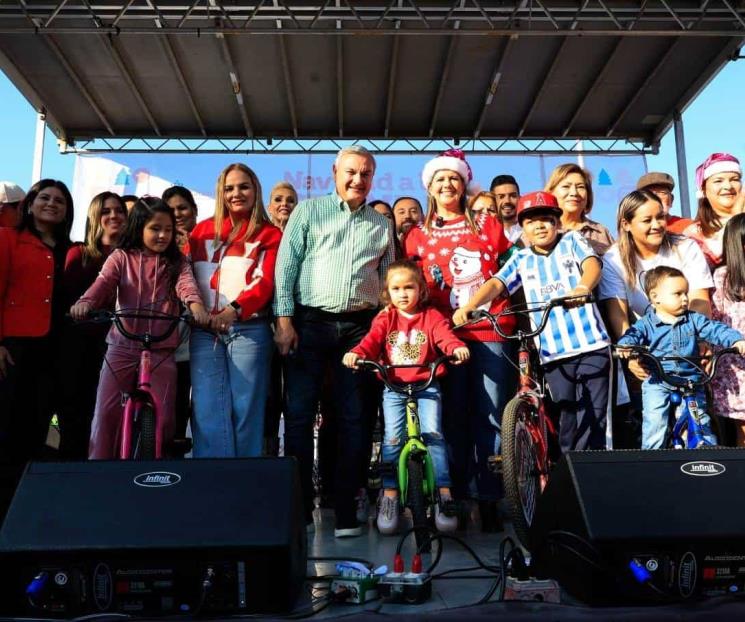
144 446
416 501
520 472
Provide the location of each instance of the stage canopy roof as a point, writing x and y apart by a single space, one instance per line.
406 75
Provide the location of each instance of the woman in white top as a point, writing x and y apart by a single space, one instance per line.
643 243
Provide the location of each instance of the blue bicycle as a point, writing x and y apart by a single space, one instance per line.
686 431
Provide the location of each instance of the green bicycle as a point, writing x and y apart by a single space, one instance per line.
416 475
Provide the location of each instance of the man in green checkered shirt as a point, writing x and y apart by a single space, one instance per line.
329 274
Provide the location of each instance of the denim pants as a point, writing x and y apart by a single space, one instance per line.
429 408
322 342
474 396
230 381
657 408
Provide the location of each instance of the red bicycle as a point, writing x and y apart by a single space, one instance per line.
142 430
528 433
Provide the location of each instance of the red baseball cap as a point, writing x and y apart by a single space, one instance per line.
540 201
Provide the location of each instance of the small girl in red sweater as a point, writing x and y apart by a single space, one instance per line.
408 332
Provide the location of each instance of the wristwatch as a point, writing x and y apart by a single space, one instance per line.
237 308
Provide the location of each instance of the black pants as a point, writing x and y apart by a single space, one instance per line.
28 397
323 340
580 389
78 364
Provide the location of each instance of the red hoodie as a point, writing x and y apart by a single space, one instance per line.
395 339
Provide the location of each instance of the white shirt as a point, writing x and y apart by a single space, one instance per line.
686 256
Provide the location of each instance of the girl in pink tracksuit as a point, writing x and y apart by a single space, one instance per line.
147 272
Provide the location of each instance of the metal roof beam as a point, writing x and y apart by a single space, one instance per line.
176 66
288 84
661 62
235 85
444 78
542 89
127 75
79 83
491 90
391 86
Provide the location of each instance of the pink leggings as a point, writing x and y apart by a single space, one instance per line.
119 375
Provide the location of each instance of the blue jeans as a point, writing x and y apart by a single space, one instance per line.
430 423
230 381
474 396
657 408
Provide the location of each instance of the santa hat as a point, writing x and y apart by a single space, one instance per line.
475 250
716 163
450 160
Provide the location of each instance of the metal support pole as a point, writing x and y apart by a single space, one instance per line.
41 126
680 152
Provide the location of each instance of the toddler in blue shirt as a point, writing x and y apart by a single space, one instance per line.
669 328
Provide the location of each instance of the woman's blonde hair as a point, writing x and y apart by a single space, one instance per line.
561 172
432 208
283 185
482 195
93 248
627 250
416 270
258 216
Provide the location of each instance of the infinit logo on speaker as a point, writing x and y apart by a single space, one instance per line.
157 479
703 468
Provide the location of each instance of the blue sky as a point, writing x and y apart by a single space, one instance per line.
713 122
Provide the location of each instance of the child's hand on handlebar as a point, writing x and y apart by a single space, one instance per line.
350 360
739 346
623 353
461 316
577 297
80 310
461 355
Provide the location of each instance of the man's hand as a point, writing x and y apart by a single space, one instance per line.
285 336
5 362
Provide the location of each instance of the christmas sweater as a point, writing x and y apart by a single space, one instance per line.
396 339
242 271
456 262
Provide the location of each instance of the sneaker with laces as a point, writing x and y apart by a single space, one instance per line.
387 515
446 515
363 506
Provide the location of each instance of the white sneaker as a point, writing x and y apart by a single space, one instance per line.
363 506
387 515
446 516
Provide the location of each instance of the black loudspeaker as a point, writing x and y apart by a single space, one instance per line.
643 525
154 538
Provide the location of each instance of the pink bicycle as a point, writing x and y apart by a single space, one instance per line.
142 432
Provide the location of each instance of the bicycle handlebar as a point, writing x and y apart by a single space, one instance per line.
706 378
116 317
414 387
524 309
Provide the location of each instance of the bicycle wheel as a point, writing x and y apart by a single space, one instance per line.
520 470
416 501
144 443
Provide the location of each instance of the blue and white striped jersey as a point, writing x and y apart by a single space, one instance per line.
544 277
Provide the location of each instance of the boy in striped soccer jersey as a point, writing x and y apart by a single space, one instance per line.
574 346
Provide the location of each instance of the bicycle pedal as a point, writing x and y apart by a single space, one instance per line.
494 464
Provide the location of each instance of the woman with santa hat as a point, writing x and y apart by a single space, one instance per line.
719 193
458 250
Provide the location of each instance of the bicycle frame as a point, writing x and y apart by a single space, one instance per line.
690 414
414 445
142 394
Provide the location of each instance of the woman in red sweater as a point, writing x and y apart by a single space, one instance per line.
233 253
32 310
458 251
84 345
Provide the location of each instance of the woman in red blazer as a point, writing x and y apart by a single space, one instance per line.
32 260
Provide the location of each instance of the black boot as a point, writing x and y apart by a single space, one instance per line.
491 521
